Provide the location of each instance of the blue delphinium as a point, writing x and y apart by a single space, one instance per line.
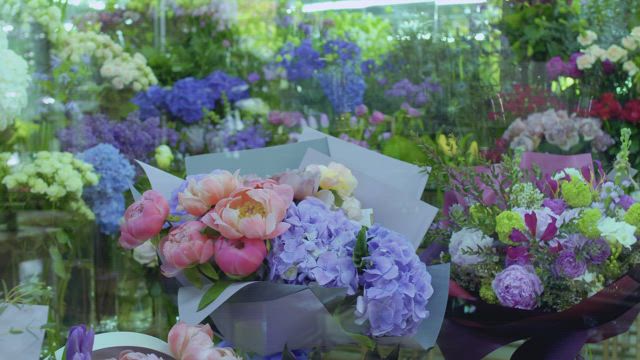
344 87
151 102
251 137
187 99
116 176
341 50
317 248
300 62
396 285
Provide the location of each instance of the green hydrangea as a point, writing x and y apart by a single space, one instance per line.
506 221
526 195
633 216
487 294
587 223
576 193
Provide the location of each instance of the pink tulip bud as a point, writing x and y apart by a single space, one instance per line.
143 219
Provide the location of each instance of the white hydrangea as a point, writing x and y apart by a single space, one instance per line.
617 231
587 38
14 83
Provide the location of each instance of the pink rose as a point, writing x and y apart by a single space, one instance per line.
252 213
203 193
239 258
185 246
376 118
143 219
196 343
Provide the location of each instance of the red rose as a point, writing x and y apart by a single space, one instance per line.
607 107
631 111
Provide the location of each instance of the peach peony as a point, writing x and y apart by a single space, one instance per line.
203 192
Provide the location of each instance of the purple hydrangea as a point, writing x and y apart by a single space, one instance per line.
188 98
232 87
571 67
317 248
135 139
518 287
116 176
300 62
151 102
397 286
251 137
568 265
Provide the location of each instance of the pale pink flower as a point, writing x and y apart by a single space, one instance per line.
185 246
304 183
130 355
202 194
196 343
143 219
239 258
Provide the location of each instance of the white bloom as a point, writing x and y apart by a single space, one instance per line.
629 42
572 172
617 231
635 33
589 127
465 241
524 142
145 254
615 53
596 51
630 67
14 82
585 61
587 38
352 208
253 106
336 177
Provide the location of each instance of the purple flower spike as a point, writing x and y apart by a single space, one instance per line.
79 343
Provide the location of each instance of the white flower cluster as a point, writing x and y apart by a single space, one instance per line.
14 83
557 128
57 176
116 65
614 53
47 15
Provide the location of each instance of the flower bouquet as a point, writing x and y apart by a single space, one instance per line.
184 342
252 240
549 255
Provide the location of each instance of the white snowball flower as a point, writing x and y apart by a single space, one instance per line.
597 52
629 42
14 81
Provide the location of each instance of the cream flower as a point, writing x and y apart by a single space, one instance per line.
597 52
629 42
586 61
615 53
587 38
630 67
336 177
635 33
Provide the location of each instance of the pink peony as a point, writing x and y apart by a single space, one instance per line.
239 258
196 343
143 219
203 193
252 213
185 246
304 183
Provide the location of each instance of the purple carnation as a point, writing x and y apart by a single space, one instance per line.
517 255
568 265
518 287
608 67
188 98
555 68
598 251
397 286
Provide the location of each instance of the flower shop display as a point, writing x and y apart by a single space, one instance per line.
299 240
184 342
14 81
548 255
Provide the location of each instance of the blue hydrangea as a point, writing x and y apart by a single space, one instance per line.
116 176
233 87
150 103
300 62
343 51
344 86
317 248
251 137
396 286
187 99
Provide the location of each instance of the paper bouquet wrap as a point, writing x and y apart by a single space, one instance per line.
263 316
485 327
111 345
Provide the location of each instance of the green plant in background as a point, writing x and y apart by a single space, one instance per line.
373 34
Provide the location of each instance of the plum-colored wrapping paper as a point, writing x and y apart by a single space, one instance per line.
483 328
261 316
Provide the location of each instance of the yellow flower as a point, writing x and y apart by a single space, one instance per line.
444 145
453 144
336 177
473 150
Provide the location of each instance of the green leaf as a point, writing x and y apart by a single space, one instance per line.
361 249
210 232
208 270
287 354
338 199
57 262
404 149
212 294
193 275
63 238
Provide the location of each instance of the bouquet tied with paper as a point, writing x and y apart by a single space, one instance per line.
307 245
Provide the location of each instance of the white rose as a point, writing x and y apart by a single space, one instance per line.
585 61
617 231
635 33
615 53
465 241
145 254
630 67
587 38
596 51
629 42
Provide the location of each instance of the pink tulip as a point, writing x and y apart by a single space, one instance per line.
196 343
252 213
143 219
202 194
239 258
185 246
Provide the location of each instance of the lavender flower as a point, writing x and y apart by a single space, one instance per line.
518 286
79 343
251 137
568 265
188 98
300 62
414 94
396 285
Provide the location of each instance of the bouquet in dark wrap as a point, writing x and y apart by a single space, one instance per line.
544 248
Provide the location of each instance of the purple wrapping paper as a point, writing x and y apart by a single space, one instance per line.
551 163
